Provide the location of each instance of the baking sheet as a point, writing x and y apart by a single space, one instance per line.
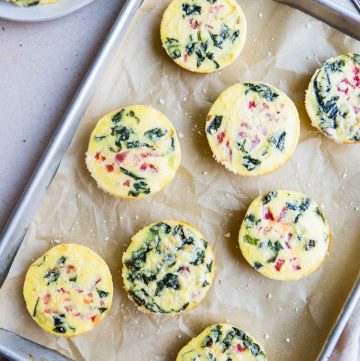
283 47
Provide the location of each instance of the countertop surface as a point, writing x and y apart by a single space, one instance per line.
41 66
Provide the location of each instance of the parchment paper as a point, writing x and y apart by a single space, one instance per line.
284 47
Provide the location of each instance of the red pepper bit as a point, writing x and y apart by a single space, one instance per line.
279 264
186 57
251 104
288 245
127 183
99 156
282 214
120 157
150 166
220 137
269 216
97 281
46 298
69 268
265 106
229 148
93 318
194 24
208 117
109 167
296 267
185 269
356 77
238 348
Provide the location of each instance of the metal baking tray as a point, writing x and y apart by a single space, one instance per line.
18 348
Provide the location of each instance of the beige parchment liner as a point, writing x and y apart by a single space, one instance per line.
284 47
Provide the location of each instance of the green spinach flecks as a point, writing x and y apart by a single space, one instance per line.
118 116
170 280
276 247
263 90
52 276
234 36
279 141
61 260
212 2
213 337
269 197
155 133
250 163
251 240
299 207
160 226
59 323
142 298
130 174
101 293
251 221
215 124
257 265
99 137
73 279
209 266
35 308
319 212
310 244
199 258
41 262
191 9
102 309
173 48
334 66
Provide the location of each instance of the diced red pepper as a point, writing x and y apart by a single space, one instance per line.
93 318
120 157
296 267
279 263
69 268
194 24
238 348
208 117
127 183
46 298
251 104
220 137
282 214
109 167
269 216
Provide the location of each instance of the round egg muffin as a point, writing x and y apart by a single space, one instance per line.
168 267
222 342
252 128
333 98
68 290
133 152
284 235
203 35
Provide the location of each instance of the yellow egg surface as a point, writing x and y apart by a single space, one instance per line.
284 235
333 98
252 128
133 152
203 35
27 3
222 342
168 267
68 290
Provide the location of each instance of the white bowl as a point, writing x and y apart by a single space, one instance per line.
44 12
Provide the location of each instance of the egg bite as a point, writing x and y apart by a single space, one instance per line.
133 152
168 268
284 235
201 35
68 290
252 128
222 342
333 98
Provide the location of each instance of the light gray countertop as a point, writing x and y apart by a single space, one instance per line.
41 66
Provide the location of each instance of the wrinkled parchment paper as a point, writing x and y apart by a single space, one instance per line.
283 47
